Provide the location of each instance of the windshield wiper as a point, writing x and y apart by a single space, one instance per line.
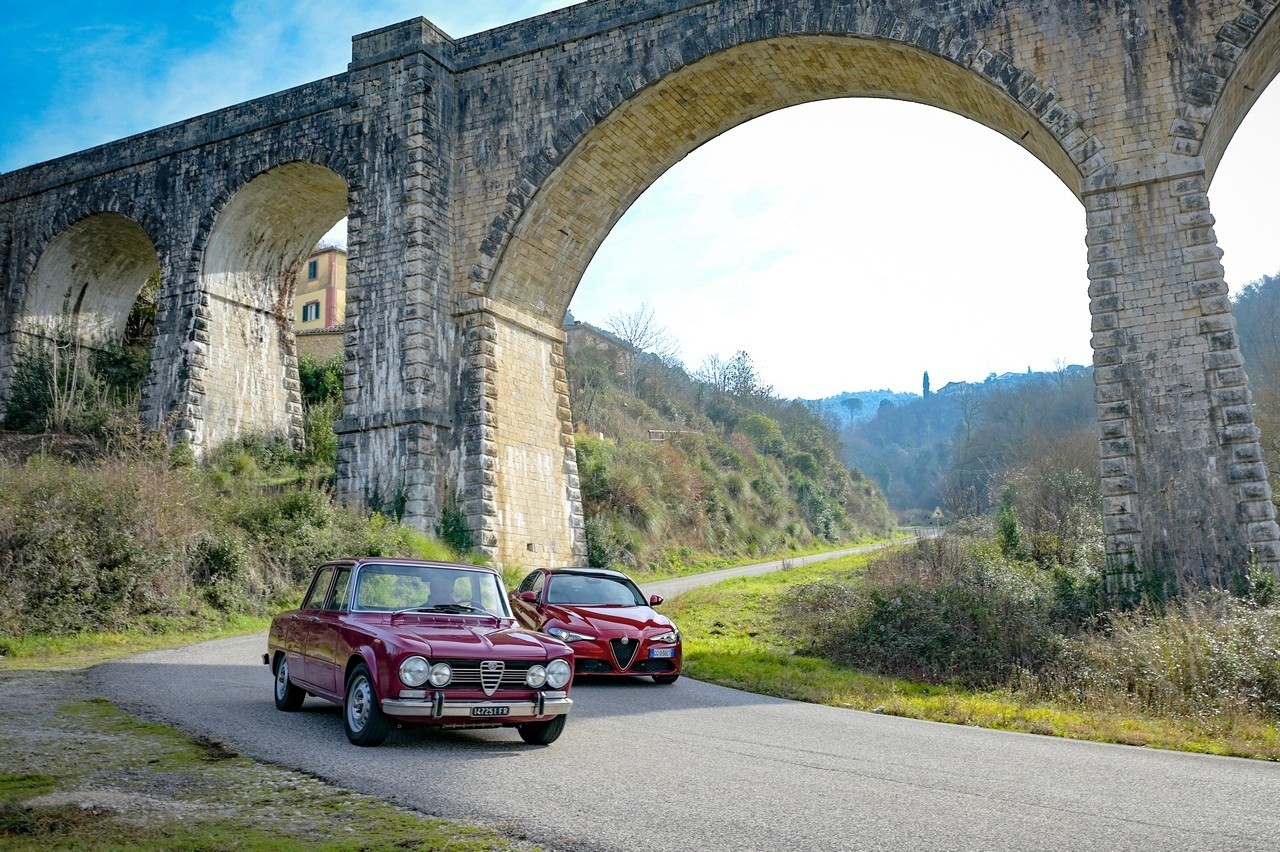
444 607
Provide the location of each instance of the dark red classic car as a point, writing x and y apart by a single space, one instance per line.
604 616
405 641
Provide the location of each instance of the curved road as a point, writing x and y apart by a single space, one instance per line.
696 766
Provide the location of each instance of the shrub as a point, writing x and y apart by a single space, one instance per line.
110 544
1209 659
320 380
944 610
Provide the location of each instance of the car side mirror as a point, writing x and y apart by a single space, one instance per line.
529 597
654 600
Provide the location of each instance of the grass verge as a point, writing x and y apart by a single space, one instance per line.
730 639
82 650
80 774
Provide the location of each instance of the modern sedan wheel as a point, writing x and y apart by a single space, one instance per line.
362 717
288 696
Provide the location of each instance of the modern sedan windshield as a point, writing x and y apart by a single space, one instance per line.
589 590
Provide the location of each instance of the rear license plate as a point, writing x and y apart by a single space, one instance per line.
490 711
661 653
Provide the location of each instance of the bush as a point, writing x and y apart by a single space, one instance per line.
111 544
92 548
944 610
320 380
1209 659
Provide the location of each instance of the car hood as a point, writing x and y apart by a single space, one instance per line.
456 638
609 620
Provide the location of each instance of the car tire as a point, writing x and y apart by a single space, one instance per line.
542 733
362 716
288 696
665 679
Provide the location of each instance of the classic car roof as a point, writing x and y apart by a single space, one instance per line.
399 560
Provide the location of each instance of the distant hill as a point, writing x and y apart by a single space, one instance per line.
856 406
850 407
943 449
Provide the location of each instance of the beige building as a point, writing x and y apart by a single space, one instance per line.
320 302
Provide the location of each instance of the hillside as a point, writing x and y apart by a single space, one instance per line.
955 448
677 467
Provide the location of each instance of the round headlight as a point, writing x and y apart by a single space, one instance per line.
413 671
441 674
536 676
558 673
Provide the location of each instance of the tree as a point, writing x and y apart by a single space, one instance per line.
926 383
743 380
641 334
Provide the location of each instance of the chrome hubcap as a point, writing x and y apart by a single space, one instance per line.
358 704
282 679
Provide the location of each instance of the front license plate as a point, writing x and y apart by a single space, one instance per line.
490 711
661 653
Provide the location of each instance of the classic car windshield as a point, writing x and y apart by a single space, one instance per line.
589 590
394 587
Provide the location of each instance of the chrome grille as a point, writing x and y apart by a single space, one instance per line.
469 674
491 675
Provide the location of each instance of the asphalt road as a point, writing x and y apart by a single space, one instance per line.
671 588
694 766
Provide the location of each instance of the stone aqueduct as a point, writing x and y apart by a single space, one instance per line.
481 174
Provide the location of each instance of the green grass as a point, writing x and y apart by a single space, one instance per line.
730 639
82 650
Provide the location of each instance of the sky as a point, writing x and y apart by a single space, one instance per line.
844 245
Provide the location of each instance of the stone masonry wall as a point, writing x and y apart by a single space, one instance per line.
482 174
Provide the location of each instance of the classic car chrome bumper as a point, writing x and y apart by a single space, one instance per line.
436 706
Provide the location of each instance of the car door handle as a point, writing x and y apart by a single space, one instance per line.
314 619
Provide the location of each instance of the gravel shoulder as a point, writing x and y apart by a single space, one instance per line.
76 771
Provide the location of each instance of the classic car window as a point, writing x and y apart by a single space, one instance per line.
593 591
338 597
315 595
393 587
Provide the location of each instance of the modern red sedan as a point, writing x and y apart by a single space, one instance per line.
605 618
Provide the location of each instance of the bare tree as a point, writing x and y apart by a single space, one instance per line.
642 335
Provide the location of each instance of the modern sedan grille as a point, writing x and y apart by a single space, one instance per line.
624 651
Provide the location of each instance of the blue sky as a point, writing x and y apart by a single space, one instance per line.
921 255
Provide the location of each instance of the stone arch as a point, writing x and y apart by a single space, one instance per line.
241 339
1243 61
572 193
88 277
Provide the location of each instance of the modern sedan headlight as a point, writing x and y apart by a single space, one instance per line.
414 671
558 674
671 637
568 635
